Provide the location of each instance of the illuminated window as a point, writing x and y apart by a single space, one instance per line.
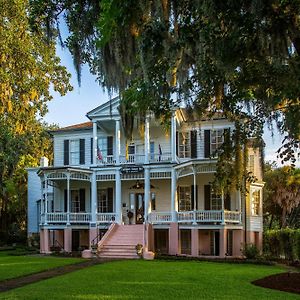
184 144
184 198
255 203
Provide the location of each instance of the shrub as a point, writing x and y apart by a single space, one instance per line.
272 239
250 251
297 243
287 243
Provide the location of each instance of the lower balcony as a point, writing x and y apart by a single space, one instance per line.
198 216
55 218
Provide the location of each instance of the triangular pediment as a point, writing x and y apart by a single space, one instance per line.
109 108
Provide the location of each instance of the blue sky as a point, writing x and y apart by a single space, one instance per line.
72 108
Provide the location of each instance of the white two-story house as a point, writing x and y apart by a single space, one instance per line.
154 190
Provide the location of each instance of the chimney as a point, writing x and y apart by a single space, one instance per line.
44 162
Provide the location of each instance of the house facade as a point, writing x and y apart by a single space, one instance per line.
108 193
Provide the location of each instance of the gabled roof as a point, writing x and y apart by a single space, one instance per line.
80 126
106 109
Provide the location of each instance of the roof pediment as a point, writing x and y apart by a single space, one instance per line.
109 108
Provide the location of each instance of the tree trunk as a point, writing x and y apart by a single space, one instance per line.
283 217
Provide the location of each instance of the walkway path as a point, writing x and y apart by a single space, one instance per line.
13 283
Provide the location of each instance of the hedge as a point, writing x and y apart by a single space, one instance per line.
282 243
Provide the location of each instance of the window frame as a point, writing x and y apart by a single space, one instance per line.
185 205
100 206
219 140
184 144
214 197
256 204
72 152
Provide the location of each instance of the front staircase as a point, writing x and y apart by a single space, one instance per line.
121 242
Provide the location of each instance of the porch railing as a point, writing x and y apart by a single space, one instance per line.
106 217
62 217
233 216
198 216
160 217
80 217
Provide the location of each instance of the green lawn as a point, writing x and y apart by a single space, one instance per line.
155 280
15 266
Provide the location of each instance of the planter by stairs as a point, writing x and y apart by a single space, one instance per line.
121 243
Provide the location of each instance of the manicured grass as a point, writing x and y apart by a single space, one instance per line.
15 266
155 280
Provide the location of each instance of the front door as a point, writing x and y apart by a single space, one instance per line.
139 208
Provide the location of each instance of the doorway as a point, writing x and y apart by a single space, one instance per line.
139 208
75 240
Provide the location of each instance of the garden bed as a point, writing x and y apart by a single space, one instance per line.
286 282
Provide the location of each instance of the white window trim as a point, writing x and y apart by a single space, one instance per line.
70 152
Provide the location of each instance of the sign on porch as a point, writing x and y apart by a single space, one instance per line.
131 169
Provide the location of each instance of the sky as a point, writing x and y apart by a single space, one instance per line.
72 108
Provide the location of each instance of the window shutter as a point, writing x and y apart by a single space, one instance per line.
82 152
82 200
207 191
177 142
194 144
110 145
66 152
227 201
226 134
92 150
192 197
110 199
65 200
206 143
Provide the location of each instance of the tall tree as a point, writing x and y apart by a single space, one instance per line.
28 67
241 56
282 195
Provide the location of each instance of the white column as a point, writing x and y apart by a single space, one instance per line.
173 136
95 142
118 202
68 199
94 198
46 198
174 207
195 194
118 144
147 140
223 212
147 193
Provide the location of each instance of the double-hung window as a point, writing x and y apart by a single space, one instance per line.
216 200
184 198
216 140
255 209
102 201
184 144
102 148
74 152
